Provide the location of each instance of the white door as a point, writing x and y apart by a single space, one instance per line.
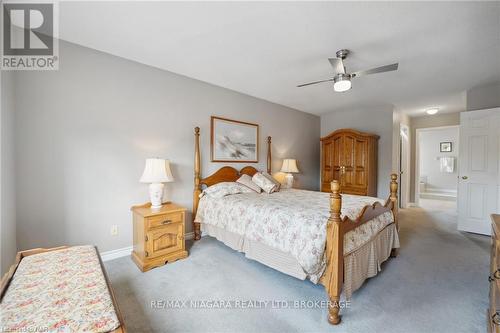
478 182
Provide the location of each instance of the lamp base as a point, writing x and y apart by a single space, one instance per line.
288 180
156 194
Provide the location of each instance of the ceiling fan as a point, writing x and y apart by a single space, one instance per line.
342 80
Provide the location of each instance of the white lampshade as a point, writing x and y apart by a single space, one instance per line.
157 170
289 166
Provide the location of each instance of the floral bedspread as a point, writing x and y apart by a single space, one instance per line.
293 221
59 291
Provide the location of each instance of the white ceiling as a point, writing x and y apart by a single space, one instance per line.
266 49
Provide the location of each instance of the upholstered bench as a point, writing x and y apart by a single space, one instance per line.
61 289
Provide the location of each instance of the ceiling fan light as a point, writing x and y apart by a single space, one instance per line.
432 111
341 83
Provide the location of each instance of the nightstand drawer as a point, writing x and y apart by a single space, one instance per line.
167 239
165 219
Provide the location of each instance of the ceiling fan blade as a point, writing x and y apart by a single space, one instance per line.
337 64
382 69
315 82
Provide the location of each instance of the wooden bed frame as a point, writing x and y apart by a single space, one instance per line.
333 277
7 278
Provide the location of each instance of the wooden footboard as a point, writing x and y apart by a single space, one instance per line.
337 227
7 278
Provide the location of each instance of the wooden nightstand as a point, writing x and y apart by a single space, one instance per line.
158 235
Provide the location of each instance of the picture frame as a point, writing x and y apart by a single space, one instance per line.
445 147
233 141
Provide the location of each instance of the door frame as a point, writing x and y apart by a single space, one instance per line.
417 156
404 165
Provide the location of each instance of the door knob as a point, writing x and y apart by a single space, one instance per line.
465 177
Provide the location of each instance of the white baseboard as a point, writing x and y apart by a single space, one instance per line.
115 254
126 251
411 204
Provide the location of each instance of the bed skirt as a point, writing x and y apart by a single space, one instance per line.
360 264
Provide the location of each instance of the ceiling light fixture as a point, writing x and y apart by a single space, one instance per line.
432 111
342 82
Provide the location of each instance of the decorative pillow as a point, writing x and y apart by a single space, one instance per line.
267 185
246 180
271 178
223 189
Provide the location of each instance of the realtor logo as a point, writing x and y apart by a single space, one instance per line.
29 38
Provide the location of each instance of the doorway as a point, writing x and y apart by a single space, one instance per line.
436 167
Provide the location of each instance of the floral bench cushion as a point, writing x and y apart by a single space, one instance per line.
59 291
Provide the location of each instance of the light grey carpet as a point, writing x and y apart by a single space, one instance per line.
438 283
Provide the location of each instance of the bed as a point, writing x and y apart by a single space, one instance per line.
335 239
63 289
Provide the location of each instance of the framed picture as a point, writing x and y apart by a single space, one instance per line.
234 141
445 147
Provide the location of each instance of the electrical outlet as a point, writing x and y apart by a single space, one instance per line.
114 230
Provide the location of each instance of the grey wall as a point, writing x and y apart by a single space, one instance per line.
376 120
83 133
483 97
429 154
446 119
8 246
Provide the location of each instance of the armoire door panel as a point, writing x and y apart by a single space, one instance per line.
349 146
338 152
327 162
360 151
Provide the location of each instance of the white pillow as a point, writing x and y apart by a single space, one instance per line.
246 180
223 189
267 185
271 178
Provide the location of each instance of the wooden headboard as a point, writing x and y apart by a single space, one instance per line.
224 174
227 174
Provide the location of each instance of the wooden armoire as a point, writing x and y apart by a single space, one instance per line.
350 157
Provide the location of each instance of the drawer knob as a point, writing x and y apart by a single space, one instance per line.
166 222
495 319
147 254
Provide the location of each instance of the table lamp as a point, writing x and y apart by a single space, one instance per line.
289 166
156 172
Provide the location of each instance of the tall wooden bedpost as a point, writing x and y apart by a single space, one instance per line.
269 160
197 186
394 206
394 196
334 254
